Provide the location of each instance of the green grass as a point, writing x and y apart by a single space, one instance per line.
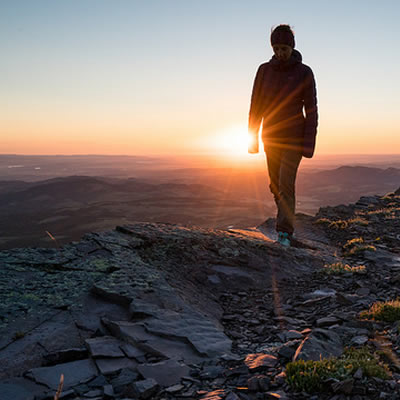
388 311
341 268
310 376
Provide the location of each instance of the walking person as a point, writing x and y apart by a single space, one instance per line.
284 101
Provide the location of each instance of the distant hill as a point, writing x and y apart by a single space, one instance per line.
71 206
68 207
346 184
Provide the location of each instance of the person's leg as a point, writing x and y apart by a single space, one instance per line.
290 160
273 155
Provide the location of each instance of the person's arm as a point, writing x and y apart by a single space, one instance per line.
311 111
255 114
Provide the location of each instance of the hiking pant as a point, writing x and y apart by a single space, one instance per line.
282 169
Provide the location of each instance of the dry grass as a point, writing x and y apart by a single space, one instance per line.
60 387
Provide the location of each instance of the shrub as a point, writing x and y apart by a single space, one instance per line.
340 268
388 311
356 246
310 376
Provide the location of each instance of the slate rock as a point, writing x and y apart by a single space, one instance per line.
99 381
260 361
93 393
12 391
166 373
258 383
174 388
359 340
104 346
146 389
66 355
327 321
292 335
286 352
345 387
125 378
321 343
232 396
158 345
211 372
74 373
108 392
108 366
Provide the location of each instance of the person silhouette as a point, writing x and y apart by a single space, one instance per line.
284 100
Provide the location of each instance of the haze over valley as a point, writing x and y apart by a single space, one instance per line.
50 200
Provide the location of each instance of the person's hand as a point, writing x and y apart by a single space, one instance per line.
309 147
253 144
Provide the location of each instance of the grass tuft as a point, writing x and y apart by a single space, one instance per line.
341 268
357 245
388 311
310 376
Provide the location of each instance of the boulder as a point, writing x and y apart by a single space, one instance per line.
321 343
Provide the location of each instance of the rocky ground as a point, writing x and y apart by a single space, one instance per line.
160 311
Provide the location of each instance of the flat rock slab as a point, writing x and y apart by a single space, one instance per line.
108 366
166 373
105 346
146 388
260 361
200 332
137 335
74 373
321 343
20 389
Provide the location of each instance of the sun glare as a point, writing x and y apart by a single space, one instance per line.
232 141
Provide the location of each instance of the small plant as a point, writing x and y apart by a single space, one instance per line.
310 376
356 246
323 221
358 221
19 335
339 224
60 387
388 311
340 268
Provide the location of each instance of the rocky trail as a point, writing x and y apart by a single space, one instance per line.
162 311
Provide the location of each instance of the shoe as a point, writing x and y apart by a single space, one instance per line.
284 239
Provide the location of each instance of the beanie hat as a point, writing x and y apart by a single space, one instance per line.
282 34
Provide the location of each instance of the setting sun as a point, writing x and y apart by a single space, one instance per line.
232 141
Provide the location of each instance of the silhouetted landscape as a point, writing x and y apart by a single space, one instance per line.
51 200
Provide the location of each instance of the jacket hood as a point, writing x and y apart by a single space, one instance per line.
294 59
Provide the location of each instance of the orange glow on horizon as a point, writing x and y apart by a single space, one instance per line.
231 142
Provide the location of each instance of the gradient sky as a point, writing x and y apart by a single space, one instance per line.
172 77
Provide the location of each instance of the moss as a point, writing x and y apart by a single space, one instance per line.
388 311
340 268
310 376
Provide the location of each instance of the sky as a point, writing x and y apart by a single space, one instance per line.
160 77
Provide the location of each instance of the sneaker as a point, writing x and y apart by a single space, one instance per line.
284 239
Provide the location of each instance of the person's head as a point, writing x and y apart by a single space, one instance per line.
282 42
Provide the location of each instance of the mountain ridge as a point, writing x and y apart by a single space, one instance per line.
165 311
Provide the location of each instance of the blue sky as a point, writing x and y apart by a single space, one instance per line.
154 76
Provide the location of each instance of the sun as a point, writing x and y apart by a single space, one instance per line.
232 141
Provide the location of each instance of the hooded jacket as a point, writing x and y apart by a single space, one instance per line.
281 91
